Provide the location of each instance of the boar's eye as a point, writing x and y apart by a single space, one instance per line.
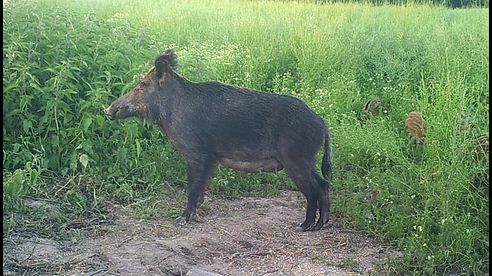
145 83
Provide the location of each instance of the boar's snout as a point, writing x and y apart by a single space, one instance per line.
123 108
118 111
109 112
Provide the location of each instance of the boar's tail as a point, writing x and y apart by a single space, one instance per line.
326 163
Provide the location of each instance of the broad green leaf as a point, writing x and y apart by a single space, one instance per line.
84 160
10 87
26 125
86 122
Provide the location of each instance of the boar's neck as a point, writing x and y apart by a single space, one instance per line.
172 102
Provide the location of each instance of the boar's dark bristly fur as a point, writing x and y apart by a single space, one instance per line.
243 129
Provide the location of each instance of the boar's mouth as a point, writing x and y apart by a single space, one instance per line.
119 112
109 113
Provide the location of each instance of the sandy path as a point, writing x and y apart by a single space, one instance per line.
248 236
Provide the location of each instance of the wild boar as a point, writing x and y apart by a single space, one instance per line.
240 128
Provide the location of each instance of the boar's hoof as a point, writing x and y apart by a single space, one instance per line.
318 225
181 220
185 218
308 225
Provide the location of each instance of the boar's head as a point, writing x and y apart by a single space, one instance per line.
138 101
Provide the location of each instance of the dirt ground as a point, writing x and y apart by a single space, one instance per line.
247 236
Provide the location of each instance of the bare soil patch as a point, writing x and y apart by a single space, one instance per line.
247 236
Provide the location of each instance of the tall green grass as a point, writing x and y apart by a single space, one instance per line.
64 61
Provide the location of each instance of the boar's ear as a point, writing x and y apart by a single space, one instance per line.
165 64
171 58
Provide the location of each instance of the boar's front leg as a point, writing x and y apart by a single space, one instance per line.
199 171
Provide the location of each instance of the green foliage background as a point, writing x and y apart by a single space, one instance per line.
64 61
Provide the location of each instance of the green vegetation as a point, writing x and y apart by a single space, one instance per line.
64 61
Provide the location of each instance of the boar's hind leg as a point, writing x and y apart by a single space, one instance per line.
199 172
301 174
323 202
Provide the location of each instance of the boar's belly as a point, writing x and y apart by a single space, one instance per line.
262 165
